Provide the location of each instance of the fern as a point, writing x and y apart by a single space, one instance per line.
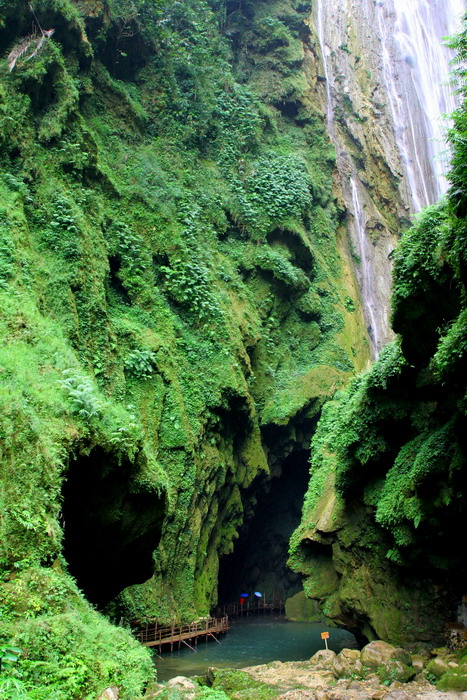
80 391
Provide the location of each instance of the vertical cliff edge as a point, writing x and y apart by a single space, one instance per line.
379 539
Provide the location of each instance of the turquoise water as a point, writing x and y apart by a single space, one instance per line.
251 641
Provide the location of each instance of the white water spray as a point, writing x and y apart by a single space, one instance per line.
401 42
416 77
363 246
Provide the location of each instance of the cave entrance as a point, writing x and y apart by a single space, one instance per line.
258 562
111 525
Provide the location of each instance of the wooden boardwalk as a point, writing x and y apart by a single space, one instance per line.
154 635
158 636
251 606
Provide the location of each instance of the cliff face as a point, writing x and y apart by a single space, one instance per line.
369 171
378 543
175 308
178 301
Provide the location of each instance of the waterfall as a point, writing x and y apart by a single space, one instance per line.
363 244
416 76
386 74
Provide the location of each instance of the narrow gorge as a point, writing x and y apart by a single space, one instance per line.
201 204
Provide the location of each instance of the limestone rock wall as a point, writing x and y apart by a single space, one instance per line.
385 75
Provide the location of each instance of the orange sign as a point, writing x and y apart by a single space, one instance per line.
324 635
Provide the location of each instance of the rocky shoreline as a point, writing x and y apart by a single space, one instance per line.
379 671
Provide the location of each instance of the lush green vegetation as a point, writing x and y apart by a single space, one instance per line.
170 285
390 449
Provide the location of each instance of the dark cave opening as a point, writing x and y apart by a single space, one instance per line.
115 289
259 560
111 527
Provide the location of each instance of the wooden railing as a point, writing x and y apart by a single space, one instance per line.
253 605
155 635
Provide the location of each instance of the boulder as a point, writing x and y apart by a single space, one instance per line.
324 660
182 682
440 651
109 694
394 670
349 654
454 681
378 653
390 663
347 663
437 667
418 662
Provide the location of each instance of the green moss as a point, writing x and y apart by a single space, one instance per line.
240 686
67 648
453 681
299 608
170 282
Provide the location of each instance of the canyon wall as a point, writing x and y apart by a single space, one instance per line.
378 542
178 300
177 303
385 74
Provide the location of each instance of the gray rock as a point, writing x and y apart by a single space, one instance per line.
379 653
397 695
109 694
182 682
324 659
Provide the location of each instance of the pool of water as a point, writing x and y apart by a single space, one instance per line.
251 641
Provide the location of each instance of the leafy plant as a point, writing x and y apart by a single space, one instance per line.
6 250
81 392
187 282
140 363
62 231
9 656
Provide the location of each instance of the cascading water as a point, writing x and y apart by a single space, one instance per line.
416 75
363 243
386 76
325 52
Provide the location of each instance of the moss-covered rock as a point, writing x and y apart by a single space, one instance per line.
239 685
386 484
379 653
453 680
437 667
299 608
